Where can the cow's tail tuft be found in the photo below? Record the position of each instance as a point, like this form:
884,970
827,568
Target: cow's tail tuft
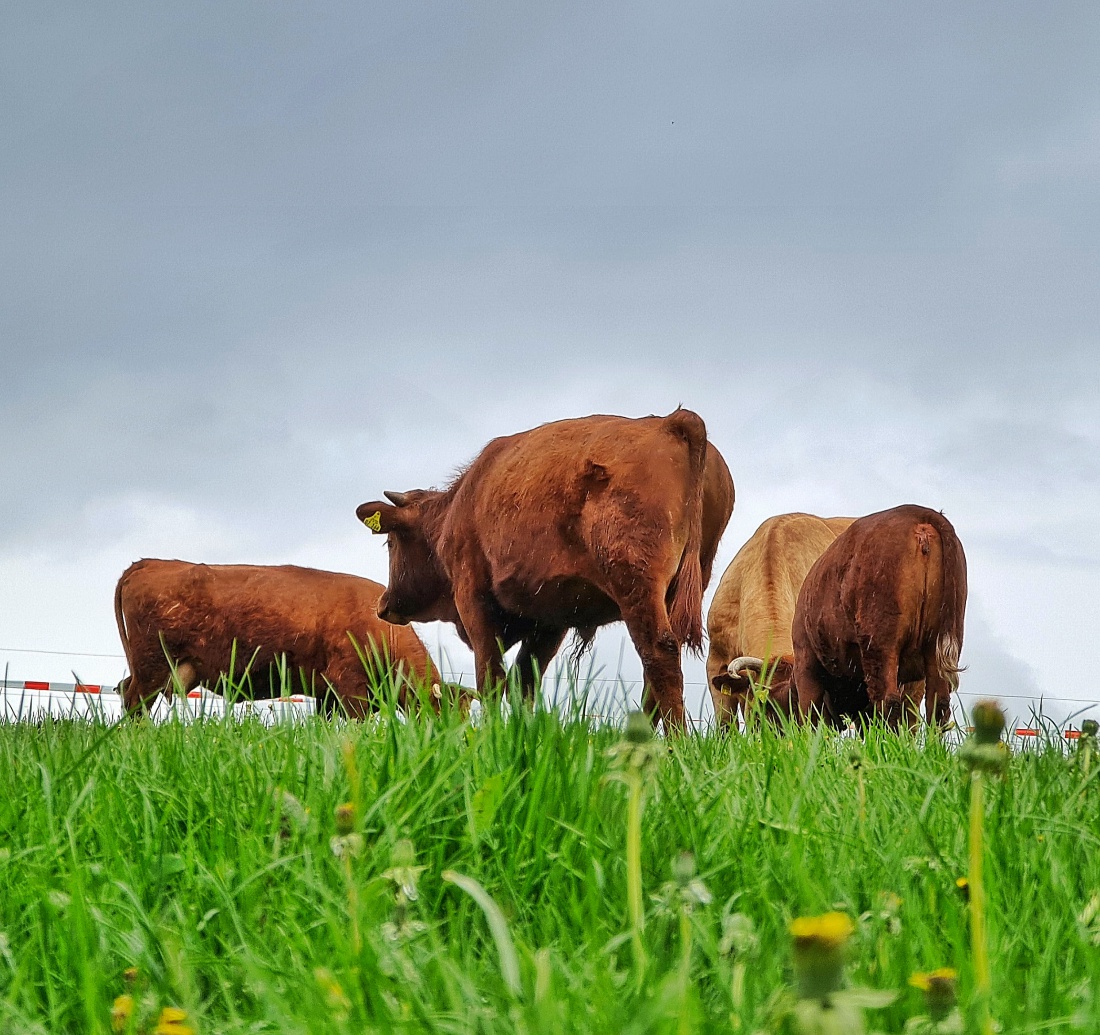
685,612
953,606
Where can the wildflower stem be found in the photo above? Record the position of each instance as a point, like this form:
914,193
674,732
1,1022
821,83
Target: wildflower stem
684,1027
353,904
979,947
862,802
634,872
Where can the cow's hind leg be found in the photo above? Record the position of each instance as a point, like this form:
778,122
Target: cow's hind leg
652,635
811,689
143,685
880,673
937,692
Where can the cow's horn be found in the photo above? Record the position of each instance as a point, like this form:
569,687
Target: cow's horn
752,664
398,499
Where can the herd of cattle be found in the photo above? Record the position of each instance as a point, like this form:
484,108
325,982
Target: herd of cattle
566,528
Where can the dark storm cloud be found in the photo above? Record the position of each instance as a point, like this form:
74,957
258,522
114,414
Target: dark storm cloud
262,261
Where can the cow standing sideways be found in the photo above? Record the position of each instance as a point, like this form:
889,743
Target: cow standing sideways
194,613
749,623
569,526
884,605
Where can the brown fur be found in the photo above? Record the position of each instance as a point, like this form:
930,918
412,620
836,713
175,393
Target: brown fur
884,605
195,612
753,607
572,525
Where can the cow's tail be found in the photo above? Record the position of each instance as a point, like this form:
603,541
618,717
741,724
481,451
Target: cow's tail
952,606
685,611
120,619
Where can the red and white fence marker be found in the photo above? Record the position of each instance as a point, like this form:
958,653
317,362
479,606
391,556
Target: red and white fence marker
31,700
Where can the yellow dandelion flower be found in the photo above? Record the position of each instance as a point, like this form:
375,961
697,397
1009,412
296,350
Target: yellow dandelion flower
121,1011
938,987
926,981
819,953
830,930
173,1021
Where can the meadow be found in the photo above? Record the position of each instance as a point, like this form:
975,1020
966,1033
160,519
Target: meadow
442,876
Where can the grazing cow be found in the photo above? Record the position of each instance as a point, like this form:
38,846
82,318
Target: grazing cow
749,623
572,525
193,614
883,606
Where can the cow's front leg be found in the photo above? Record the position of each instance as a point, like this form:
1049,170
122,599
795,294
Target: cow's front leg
534,655
483,634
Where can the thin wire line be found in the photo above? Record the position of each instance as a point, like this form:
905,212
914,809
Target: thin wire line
597,679
59,653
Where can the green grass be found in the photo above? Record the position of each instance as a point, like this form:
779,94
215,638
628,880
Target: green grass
203,856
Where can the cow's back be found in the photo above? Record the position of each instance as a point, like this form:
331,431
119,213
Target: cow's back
893,582
540,504
754,604
209,614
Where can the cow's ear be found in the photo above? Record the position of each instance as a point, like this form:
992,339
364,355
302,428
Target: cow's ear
724,683
379,517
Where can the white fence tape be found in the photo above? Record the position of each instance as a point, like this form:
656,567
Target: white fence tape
31,701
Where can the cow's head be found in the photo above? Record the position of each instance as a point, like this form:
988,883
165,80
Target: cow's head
774,675
418,589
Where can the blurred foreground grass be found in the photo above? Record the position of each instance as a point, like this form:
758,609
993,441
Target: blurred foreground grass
209,868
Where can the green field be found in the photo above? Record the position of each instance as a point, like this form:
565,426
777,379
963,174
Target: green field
204,857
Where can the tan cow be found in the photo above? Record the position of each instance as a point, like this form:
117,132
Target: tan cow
571,525
199,615
749,623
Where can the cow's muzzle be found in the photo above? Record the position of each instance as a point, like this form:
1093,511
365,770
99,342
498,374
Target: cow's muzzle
388,614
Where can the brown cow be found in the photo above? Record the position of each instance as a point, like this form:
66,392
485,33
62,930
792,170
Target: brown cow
572,525
884,605
193,614
749,623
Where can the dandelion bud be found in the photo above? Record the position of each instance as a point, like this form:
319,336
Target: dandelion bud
855,757
985,751
739,936
639,730
938,987
683,869
819,943
1089,728
403,871
404,853
989,722
345,818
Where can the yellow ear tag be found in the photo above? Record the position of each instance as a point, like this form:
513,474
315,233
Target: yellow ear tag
374,522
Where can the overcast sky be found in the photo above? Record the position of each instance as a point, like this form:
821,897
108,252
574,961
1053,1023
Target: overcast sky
261,261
